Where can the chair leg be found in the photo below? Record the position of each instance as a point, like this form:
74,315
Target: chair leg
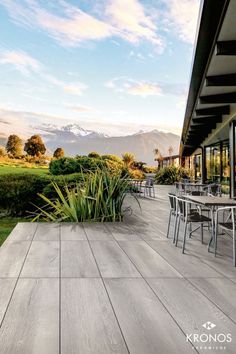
190,230
234,248
201,226
175,227
215,238
168,228
177,232
185,233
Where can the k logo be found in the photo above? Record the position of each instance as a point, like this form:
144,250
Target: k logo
209,325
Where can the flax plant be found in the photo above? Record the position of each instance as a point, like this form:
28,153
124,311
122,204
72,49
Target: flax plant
99,197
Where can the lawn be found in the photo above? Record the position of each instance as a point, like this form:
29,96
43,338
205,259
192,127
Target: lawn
6,226
5,169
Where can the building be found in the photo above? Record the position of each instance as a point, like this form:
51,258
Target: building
173,160
209,129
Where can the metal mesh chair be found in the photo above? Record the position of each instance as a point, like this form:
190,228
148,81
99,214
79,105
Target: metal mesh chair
188,216
228,226
173,212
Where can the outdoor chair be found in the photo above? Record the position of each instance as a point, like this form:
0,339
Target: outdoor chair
214,189
173,212
188,216
148,187
227,226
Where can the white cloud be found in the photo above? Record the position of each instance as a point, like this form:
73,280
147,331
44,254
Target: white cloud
70,26
74,88
182,17
21,61
80,109
145,88
131,21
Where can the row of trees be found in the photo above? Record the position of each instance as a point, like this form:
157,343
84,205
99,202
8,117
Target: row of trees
34,147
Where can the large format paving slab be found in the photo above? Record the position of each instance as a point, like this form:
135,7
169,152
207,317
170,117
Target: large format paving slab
90,288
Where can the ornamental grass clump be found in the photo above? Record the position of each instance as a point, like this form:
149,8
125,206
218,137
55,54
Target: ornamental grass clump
99,197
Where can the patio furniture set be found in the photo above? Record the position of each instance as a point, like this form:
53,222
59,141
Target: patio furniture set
203,205
143,187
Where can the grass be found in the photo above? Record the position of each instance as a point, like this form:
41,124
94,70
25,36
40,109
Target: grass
6,226
5,169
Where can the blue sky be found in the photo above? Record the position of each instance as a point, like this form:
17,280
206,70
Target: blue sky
116,66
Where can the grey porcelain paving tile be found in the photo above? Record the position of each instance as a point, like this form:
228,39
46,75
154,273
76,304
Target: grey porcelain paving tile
191,310
6,289
221,291
186,264
47,231
148,262
145,323
23,231
220,263
145,230
112,261
72,232
97,231
12,256
88,323
77,260
122,231
31,324
42,260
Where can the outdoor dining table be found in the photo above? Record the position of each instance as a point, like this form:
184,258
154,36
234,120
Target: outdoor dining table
212,203
190,185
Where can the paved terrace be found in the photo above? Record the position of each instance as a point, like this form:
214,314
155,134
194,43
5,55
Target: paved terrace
112,288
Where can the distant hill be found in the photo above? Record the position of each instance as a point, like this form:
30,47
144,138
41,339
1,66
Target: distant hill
79,141
76,140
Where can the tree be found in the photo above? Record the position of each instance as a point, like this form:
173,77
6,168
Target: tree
2,151
34,146
14,145
94,154
156,154
139,165
59,152
170,150
128,159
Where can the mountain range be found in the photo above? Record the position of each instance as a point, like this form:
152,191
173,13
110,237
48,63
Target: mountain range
76,140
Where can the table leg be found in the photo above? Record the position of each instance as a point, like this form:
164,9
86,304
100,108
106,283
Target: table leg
212,229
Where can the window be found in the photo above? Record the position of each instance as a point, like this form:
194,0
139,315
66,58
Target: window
217,164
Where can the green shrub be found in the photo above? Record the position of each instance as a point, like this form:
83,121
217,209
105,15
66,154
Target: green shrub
113,163
70,180
19,192
69,165
170,175
99,199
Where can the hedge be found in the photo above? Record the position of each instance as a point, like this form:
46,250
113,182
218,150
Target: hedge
69,165
18,192
170,175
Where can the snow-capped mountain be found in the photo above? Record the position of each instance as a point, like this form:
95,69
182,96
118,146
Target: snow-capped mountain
76,140
71,131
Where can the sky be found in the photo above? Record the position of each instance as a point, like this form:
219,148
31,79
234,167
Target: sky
114,66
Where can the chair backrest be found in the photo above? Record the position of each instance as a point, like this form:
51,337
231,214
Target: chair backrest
214,189
197,193
149,182
172,200
182,207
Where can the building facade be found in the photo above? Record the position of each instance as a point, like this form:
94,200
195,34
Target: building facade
209,131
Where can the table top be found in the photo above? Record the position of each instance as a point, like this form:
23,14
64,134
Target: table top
192,184
212,201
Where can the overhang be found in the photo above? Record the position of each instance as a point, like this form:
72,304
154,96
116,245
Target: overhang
212,91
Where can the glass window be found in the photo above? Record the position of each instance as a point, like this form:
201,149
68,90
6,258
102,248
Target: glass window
217,164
